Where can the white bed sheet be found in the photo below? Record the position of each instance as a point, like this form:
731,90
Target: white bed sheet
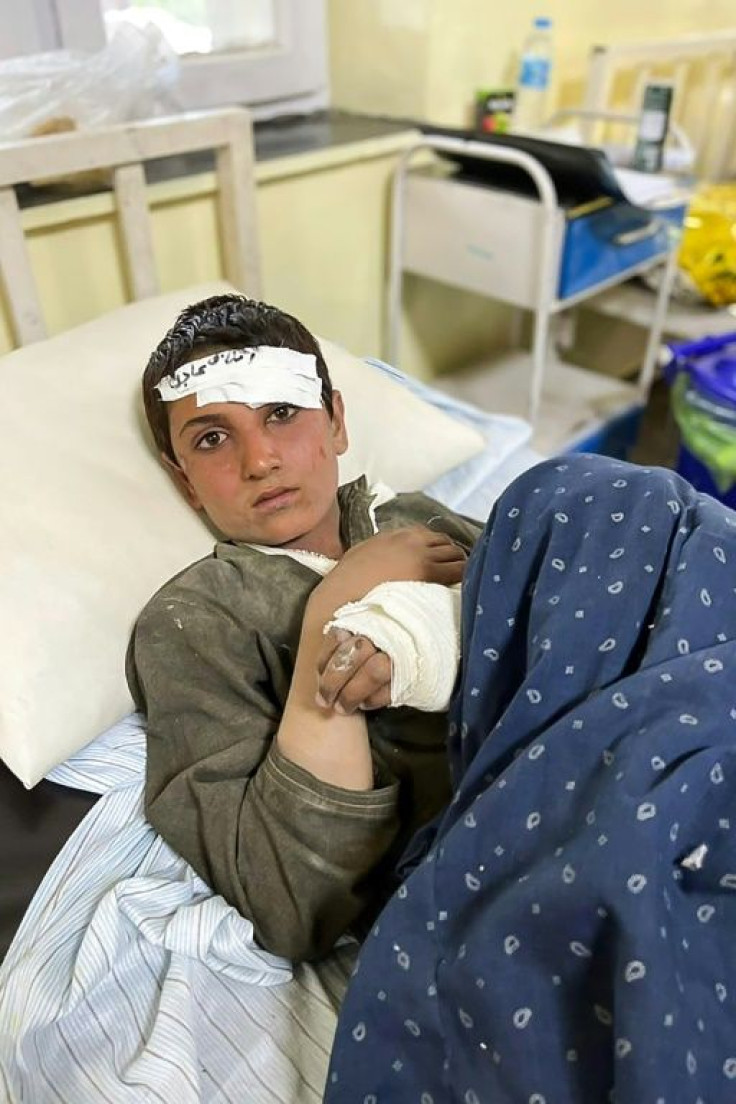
130,981
478,501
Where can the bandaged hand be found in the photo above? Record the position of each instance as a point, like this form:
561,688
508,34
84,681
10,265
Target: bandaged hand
417,626
414,553
352,674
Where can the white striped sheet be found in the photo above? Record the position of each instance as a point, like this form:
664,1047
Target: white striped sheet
278,1046
265,1030
114,759
220,1058
304,1016
129,981
329,979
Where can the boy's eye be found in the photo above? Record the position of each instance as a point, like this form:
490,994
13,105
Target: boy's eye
282,413
211,439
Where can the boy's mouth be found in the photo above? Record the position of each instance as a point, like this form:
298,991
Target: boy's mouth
275,499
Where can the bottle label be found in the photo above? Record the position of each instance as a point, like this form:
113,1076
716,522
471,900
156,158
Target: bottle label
534,72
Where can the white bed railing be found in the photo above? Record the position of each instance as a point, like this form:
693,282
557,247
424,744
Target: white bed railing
702,68
123,150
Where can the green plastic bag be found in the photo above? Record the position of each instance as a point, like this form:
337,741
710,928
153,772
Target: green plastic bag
706,432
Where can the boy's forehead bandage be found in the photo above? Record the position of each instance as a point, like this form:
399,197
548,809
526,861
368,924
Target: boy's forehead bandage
254,376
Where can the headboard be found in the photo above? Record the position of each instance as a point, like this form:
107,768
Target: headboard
703,70
123,150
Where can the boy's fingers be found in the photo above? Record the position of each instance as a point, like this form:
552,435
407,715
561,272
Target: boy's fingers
435,537
332,640
448,574
380,700
443,552
373,677
346,658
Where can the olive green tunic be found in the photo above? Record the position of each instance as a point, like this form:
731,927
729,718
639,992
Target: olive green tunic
210,663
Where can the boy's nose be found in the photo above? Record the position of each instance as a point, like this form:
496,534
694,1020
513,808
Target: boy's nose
257,456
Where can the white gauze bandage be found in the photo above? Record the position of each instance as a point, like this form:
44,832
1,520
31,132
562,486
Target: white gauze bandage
417,625
254,376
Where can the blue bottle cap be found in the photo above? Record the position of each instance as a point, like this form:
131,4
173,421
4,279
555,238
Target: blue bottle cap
543,22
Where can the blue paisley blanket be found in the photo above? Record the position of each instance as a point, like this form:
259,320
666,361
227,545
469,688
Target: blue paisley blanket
566,931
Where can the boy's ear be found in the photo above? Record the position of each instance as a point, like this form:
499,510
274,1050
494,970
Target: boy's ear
181,481
339,429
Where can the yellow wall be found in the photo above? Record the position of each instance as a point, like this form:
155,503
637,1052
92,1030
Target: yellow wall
323,249
425,58
324,218
378,55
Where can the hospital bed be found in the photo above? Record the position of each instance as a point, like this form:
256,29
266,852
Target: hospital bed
125,979
702,69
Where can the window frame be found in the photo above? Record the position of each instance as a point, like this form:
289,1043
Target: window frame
289,76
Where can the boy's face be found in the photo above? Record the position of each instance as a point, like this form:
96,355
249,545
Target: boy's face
266,475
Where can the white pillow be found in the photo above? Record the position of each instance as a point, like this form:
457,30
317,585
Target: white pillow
393,435
91,526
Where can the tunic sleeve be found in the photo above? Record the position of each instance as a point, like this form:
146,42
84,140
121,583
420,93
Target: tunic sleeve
295,855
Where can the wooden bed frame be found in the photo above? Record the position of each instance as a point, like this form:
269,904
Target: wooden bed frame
123,150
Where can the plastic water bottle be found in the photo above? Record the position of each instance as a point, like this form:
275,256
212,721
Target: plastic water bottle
535,71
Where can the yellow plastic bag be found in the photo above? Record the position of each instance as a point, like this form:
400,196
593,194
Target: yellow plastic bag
708,247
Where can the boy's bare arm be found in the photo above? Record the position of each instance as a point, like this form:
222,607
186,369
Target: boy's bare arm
331,746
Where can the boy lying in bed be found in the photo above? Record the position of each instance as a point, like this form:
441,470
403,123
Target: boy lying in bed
294,807
564,929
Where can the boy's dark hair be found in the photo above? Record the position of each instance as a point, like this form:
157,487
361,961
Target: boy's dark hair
222,322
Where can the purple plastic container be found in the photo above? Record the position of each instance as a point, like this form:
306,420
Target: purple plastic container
710,367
